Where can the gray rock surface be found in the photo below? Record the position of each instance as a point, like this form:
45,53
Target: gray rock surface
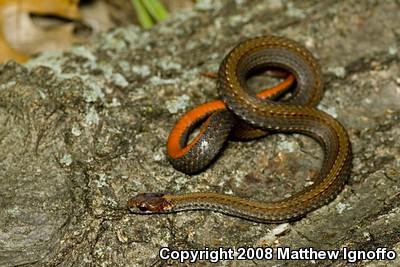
82,131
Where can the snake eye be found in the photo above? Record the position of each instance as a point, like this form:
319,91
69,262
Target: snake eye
143,208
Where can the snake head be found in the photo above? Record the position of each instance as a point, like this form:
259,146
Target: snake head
149,203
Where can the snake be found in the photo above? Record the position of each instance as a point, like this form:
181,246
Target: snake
298,114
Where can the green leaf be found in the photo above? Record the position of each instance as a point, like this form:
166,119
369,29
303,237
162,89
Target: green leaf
144,18
156,9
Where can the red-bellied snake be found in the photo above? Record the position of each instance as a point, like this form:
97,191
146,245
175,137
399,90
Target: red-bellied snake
297,115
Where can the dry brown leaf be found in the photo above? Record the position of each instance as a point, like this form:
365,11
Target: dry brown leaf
17,27
7,52
96,15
